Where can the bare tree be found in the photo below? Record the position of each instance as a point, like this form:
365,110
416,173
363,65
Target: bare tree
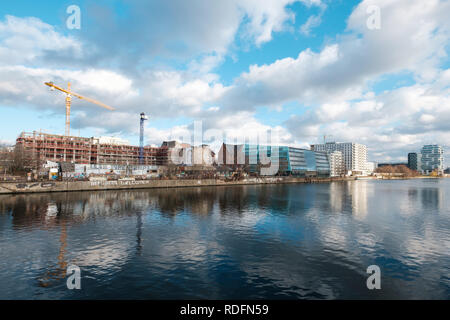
400,169
22,160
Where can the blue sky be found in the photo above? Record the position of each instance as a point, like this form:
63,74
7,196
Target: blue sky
299,69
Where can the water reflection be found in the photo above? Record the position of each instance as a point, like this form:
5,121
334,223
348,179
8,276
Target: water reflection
271,241
54,274
431,198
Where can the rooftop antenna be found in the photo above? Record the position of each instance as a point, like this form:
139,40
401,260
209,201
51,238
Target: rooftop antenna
330,138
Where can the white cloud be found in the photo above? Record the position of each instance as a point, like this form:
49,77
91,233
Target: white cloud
266,17
335,82
312,22
236,128
23,40
411,40
186,29
391,124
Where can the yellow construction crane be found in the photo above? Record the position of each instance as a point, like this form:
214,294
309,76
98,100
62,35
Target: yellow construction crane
69,95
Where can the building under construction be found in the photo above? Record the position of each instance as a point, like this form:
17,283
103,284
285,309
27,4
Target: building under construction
38,146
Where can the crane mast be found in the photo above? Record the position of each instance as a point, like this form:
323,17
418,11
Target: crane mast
69,93
141,138
68,100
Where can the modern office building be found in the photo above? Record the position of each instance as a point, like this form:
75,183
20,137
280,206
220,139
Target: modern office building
415,161
432,158
322,163
280,160
354,154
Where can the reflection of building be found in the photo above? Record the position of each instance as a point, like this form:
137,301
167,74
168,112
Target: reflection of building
358,195
355,154
351,196
431,199
281,160
432,158
103,150
414,161
337,196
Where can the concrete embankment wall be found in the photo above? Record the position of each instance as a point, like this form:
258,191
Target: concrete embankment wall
65,186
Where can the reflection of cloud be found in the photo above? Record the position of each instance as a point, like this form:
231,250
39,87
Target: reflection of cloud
290,279
105,257
334,237
367,241
303,240
430,246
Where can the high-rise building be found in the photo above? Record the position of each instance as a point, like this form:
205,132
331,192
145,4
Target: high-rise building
337,166
354,154
432,158
414,161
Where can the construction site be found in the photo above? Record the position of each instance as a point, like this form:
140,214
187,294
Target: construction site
38,157
40,154
41,147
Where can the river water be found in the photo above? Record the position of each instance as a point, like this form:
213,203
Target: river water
296,241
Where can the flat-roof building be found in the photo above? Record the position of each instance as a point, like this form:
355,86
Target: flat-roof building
354,154
39,147
275,160
415,161
432,158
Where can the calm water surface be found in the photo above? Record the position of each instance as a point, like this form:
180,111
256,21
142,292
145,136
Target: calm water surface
311,241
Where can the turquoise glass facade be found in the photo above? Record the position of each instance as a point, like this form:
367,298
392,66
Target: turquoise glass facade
290,161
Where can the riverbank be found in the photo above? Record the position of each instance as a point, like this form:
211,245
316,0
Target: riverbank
68,186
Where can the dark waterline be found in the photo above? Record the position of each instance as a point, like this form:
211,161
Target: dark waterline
311,241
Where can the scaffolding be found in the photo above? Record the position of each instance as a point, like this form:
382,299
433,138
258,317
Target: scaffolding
39,146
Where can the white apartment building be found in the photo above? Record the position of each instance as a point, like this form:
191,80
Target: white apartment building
337,166
432,158
354,154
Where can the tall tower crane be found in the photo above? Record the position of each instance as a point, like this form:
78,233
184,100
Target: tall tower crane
69,95
141,138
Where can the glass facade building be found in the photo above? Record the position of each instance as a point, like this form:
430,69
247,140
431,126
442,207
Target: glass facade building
281,160
414,161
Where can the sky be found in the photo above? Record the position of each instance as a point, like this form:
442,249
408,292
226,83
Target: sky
300,72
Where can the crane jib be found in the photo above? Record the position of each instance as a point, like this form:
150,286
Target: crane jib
69,94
